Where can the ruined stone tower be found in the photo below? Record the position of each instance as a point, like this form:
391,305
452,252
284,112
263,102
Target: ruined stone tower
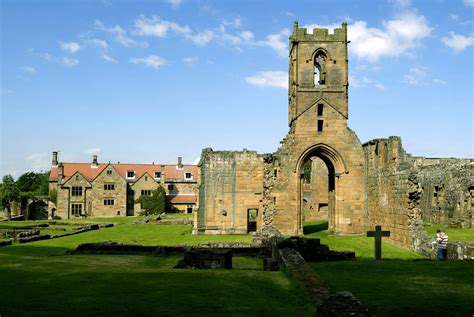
318,113
244,191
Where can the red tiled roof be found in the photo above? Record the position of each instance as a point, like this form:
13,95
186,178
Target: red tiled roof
171,172
181,199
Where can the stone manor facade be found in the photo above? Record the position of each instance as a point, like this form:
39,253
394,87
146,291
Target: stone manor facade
321,169
111,190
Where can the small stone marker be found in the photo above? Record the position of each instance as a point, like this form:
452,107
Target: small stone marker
378,234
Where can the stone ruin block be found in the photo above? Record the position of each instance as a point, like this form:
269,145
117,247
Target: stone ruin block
313,251
206,259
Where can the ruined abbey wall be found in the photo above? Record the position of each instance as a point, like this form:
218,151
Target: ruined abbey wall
230,185
405,193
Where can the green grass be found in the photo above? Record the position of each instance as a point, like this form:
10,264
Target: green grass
455,234
402,287
41,279
405,288
360,244
93,285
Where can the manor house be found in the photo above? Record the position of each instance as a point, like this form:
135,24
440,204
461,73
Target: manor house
321,169
111,190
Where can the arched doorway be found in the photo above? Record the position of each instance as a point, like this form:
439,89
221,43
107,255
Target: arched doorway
319,169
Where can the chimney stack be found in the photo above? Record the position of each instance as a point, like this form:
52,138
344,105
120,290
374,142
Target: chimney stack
54,162
180,162
94,161
60,173
162,178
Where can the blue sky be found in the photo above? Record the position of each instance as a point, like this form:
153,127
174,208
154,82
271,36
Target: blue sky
148,81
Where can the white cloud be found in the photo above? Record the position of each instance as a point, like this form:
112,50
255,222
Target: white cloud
28,69
401,3
190,59
120,35
39,161
235,23
398,36
108,58
196,161
149,61
175,3
276,79
469,3
439,81
458,42
201,38
454,17
69,62
278,42
71,47
415,76
93,151
362,82
155,26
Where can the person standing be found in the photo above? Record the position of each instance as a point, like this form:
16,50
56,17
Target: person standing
442,242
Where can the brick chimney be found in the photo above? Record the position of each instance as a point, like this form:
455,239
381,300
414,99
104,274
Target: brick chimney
94,164
60,173
54,162
162,178
180,162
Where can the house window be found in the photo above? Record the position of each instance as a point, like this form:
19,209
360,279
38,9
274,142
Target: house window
146,192
109,172
188,176
76,209
109,186
131,174
157,175
146,178
171,187
109,202
76,191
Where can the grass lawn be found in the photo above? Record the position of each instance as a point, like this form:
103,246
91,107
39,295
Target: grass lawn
455,234
42,280
399,285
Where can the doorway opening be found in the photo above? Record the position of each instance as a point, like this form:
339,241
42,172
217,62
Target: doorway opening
252,215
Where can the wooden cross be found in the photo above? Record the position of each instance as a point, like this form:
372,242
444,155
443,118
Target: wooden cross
378,234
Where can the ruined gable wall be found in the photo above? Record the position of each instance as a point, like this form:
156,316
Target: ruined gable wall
401,192
230,184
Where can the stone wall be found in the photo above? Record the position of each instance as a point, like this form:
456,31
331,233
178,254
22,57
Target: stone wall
404,193
96,207
230,185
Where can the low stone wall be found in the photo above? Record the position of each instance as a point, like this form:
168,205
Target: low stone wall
34,238
5,243
461,251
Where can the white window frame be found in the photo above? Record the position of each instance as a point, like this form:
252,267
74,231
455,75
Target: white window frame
186,178
157,178
134,175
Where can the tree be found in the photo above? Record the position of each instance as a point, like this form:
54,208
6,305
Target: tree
154,204
53,196
9,193
31,185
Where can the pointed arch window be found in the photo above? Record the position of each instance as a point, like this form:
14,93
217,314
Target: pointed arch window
320,68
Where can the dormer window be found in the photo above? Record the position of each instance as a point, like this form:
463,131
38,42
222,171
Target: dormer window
130,174
157,175
188,176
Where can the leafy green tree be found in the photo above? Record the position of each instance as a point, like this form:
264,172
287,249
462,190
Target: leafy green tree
154,204
31,185
307,171
9,193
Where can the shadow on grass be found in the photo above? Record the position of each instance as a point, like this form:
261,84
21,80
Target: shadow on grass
312,227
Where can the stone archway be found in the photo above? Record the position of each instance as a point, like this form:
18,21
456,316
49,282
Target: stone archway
335,168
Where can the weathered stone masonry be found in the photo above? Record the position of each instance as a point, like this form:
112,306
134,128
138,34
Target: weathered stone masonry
405,193
377,183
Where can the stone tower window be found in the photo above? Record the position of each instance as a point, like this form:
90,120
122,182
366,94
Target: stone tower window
320,125
320,69
320,109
